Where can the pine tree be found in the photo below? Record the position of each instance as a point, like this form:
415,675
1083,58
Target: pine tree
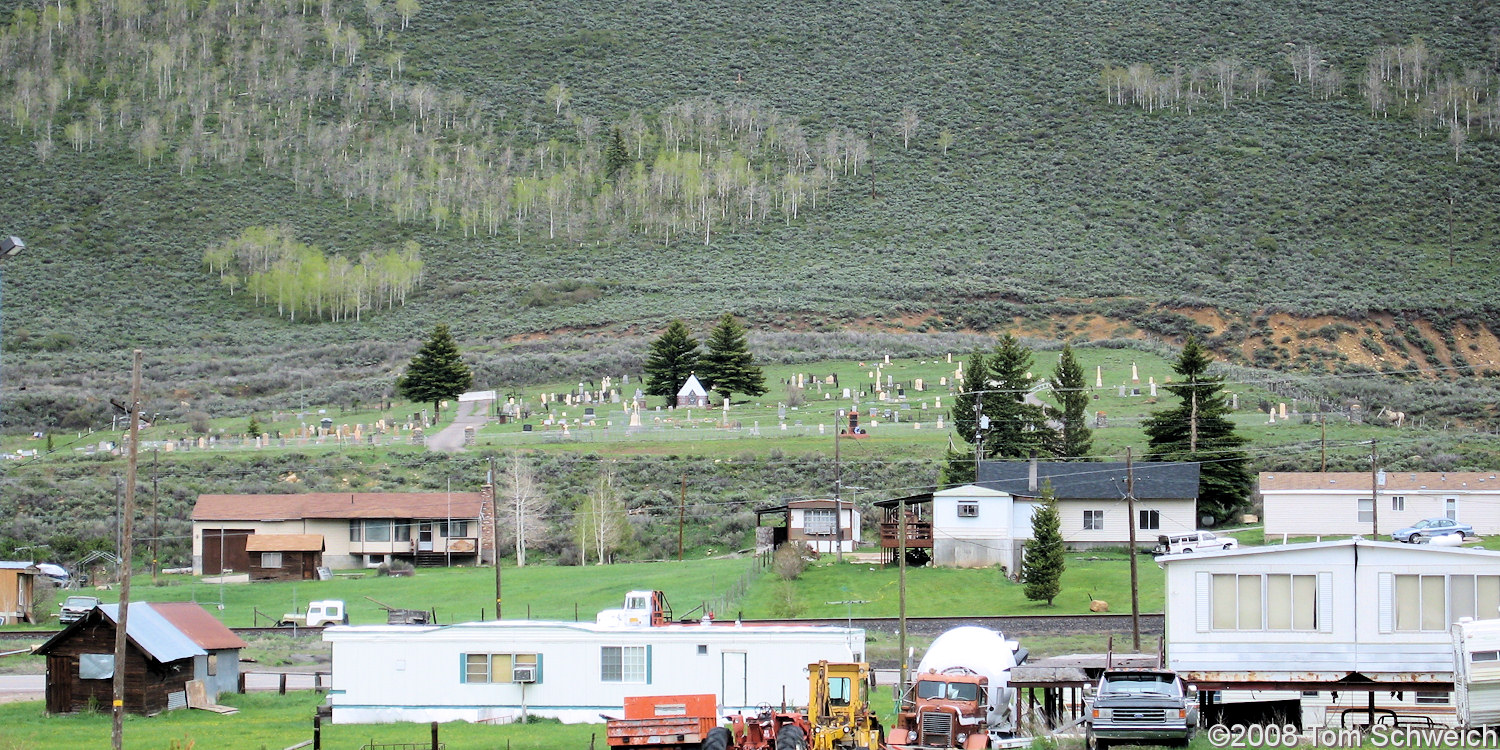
1017,429
1043,564
253,430
1198,429
1073,440
671,360
728,367
616,157
436,372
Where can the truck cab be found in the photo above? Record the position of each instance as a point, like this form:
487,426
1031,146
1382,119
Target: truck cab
944,710
319,613
1141,707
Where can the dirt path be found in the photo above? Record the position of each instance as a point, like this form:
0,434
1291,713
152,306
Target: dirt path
450,439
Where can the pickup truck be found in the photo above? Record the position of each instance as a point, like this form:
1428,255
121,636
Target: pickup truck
75,607
1141,707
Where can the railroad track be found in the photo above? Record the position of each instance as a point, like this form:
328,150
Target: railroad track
1013,626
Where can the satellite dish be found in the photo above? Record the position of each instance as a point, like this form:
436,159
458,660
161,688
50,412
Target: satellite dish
1207,520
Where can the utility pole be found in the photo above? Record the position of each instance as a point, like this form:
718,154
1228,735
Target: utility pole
1323,443
117,732
901,520
838,487
681,515
119,518
1135,585
155,518
495,533
1374,495
978,433
1193,421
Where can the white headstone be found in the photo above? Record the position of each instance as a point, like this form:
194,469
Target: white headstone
1099,376
1135,376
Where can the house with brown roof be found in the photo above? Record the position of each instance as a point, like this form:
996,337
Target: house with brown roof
356,529
1311,503
284,557
168,646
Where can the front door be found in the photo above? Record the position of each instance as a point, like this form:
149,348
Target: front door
733,690
424,537
59,684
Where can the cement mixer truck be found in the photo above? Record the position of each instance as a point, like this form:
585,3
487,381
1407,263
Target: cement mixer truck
960,695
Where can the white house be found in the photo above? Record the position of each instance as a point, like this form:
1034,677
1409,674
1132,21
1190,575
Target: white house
988,523
823,525
571,671
1336,503
692,393
1350,612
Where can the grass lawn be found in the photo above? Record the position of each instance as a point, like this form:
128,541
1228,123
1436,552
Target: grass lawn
267,721
1097,574
458,594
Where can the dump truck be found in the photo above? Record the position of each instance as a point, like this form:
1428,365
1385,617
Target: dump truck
318,614
960,696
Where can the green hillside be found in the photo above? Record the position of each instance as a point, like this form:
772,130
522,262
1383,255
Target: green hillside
1050,203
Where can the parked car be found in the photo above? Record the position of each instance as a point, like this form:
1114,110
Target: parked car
1428,528
1171,544
1141,707
75,607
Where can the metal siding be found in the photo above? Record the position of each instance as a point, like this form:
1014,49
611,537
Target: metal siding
1387,594
1325,602
1203,580
1264,657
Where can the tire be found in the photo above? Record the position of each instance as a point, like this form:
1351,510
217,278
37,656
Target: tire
717,739
1414,539
1096,743
1228,547
790,737
1186,550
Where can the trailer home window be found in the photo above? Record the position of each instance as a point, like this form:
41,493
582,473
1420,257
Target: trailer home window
1398,502
1420,604
1366,510
1265,602
818,522
1093,520
1484,656
968,510
493,668
1431,698
622,664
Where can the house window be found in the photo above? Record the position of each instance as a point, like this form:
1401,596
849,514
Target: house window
378,531
818,522
213,664
1366,510
1421,602
403,531
1431,698
1093,520
96,666
622,664
270,559
968,510
702,649
1150,520
453,529
1398,502
1265,602
354,530
1450,508
498,668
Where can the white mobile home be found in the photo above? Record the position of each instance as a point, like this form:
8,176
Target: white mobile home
1307,503
572,671
1356,611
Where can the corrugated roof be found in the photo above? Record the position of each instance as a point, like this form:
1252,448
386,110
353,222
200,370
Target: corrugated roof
337,505
1092,480
197,624
16,565
148,630
1395,481
284,543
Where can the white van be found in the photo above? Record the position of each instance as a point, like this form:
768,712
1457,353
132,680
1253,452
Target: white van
1197,540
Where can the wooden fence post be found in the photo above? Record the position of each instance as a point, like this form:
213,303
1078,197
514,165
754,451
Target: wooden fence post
317,732
434,735
282,688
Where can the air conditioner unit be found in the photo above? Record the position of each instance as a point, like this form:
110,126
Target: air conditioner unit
523,674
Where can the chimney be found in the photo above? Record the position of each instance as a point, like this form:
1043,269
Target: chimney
487,511
1031,475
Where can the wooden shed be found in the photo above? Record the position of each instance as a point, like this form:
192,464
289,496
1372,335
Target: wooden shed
17,587
159,662
284,557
